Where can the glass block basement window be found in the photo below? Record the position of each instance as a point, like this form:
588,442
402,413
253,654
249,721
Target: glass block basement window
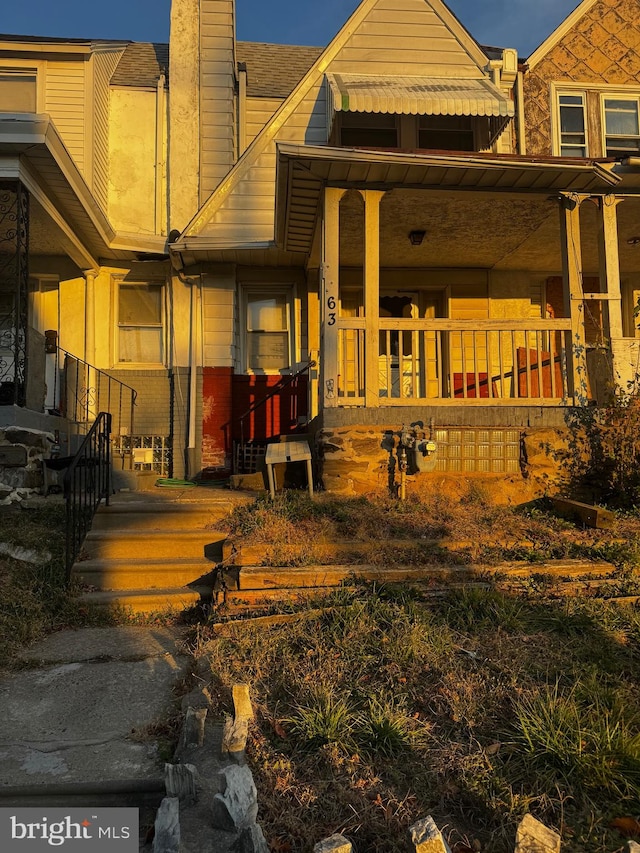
488,451
143,453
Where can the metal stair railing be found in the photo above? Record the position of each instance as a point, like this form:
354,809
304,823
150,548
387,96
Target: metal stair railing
81,391
278,389
87,481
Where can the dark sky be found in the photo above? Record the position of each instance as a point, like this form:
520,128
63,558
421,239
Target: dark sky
522,24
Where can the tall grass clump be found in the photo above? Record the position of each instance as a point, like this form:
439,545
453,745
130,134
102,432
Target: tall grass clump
570,739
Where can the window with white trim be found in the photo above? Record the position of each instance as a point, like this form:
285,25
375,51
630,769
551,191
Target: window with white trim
18,91
268,330
140,323
621,126
573,129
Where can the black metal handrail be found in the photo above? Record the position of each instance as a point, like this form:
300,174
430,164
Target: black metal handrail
278,389
87,481
82,390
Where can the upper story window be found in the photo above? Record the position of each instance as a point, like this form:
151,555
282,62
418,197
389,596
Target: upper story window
268,330
369,130
573,130
140,323
621,126
18,91
446,133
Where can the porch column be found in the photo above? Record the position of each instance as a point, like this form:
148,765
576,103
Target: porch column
90,316
610,262
573,293
313,337
330,294
372,199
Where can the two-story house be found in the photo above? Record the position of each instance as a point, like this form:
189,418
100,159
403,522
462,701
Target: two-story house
402,227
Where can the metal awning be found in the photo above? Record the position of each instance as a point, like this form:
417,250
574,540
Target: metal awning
417,96
303,171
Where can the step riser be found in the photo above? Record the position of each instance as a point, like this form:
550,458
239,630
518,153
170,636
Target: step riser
123,522
148,604
174,545
151,577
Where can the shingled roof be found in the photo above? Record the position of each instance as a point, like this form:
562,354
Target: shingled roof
141,65
274,70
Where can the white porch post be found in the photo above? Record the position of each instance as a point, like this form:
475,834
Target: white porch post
330,294
313,338
610,262
573,293
372,199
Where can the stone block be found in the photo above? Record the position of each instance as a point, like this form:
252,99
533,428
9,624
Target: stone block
167,827
338,485
236,808
534,837
247,482
13,455
250,840
333,844
427,838
28,437
180,782
368,447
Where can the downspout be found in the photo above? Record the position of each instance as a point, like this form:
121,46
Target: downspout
160,165
194,348
522,140
242,108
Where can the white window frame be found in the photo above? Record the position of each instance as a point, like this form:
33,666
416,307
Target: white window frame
267,290
618,96
12,68
557,122
139,365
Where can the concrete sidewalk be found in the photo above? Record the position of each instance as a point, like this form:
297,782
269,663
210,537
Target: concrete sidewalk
76,722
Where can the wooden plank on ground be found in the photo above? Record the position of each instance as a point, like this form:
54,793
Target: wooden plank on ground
588,514
261,577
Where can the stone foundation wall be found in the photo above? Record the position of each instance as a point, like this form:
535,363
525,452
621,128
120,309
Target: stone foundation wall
21,466
510,465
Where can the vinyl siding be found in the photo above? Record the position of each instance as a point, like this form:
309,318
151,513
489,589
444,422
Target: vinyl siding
104,66
66,103
217,95
218,320
405,38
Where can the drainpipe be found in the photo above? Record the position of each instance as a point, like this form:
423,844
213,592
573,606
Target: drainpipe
160,165
195,282
522,140
242,108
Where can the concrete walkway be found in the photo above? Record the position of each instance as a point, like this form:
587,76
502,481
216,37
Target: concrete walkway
77,722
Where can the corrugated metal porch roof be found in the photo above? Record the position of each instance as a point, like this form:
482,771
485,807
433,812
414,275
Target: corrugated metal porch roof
417,96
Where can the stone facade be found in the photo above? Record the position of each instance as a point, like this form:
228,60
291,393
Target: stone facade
360,460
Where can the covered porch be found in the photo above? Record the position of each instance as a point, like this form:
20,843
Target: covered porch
459,281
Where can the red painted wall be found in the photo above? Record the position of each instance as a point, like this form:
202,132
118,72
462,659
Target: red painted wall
227,396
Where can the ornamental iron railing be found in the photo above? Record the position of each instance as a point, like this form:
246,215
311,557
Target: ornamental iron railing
14,280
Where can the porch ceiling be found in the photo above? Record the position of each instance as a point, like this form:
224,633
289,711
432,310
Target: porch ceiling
476,211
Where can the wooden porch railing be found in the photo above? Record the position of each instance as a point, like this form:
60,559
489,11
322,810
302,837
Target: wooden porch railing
483,362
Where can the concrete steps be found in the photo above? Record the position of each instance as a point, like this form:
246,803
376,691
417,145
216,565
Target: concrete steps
154,552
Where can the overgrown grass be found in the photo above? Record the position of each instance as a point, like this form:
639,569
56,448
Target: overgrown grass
34,597
293,526
476,709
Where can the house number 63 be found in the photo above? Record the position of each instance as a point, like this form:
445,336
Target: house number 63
331,304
